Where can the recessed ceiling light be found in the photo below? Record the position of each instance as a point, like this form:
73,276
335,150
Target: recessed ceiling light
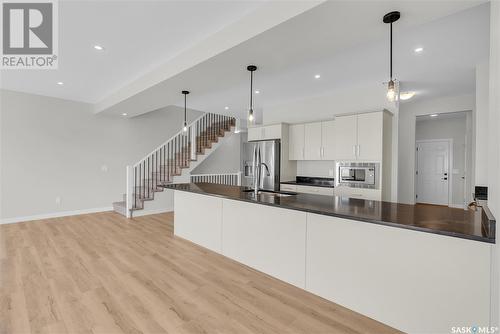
317,76
257,91
226,108
60,83
124,114
98,47
434,115
419,49
406,95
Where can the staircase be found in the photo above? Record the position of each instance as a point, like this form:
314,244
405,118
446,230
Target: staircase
172,161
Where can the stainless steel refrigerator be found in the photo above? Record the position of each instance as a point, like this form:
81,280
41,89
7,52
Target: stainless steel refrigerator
270,164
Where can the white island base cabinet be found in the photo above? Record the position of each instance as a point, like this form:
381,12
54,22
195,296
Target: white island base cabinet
414,281
198,218
266,238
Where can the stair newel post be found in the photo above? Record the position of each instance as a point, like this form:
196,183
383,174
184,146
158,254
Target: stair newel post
129,191
194,145
148,176
169,160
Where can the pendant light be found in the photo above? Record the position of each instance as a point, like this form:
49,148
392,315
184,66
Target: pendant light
251,68
390,18
185,127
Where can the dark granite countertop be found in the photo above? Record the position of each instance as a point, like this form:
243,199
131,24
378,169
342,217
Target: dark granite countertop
467,224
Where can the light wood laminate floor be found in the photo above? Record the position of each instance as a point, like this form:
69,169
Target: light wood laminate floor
102,273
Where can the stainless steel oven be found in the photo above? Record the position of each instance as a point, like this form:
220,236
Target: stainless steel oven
358,174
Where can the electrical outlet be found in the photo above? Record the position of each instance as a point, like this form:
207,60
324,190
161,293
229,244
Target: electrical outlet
104,168
58,200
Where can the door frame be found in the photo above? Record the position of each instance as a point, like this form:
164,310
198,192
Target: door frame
450,167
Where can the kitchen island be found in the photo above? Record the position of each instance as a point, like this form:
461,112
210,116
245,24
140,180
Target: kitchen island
416,268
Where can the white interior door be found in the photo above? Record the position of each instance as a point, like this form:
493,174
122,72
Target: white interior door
433,177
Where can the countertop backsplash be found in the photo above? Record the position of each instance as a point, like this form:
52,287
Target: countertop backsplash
317,168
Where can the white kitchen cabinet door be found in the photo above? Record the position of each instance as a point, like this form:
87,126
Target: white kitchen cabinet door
346,137
328,140
380,277
312,141
268,239
370,136
254,133
296,142
271,132
202,226
288,187
361,193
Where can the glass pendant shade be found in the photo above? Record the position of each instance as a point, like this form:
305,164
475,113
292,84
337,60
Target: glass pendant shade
250,115
391,91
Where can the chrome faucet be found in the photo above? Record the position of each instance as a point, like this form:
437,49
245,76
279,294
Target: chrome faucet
257,170
257,161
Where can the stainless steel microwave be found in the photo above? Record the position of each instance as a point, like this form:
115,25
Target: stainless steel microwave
358,174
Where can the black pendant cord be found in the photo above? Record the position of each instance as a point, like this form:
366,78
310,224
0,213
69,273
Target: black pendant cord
390,65
251,90
185,92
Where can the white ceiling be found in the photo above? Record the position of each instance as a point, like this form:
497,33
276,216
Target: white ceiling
344,41
138,36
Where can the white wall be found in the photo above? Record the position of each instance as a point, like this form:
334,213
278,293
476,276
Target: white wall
57,148
407,118
481,123
226,159
449,128
494,150
316,168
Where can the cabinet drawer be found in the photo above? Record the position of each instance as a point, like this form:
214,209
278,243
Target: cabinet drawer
315,190
288,187
369,194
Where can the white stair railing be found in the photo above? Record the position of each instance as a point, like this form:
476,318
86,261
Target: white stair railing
232,179
167,160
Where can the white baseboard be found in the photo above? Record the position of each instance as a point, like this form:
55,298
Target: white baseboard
53,215
140,213
456,206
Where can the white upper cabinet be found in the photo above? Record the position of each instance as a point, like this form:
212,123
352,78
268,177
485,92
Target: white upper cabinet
264,132
296,142
312,141
359,137
328,140
370,136
346,137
